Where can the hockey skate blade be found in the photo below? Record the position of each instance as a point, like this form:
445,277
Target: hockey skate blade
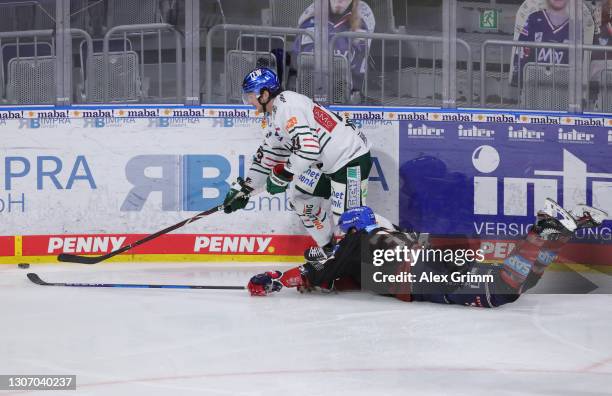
597,215
555,210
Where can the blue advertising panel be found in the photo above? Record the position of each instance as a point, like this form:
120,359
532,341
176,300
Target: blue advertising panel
490,179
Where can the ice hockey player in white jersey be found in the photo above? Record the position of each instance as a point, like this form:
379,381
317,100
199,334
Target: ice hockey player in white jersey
316,152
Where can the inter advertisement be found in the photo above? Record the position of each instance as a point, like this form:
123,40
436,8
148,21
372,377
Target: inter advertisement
486,181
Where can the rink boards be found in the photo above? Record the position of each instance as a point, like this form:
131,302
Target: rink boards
87,180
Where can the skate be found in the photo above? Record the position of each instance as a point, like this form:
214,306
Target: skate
554,222
317,254
588,216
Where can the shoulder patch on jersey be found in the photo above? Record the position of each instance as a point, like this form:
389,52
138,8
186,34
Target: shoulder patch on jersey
291,123
324,119
282,98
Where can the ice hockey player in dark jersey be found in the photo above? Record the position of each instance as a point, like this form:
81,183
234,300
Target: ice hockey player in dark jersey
520,271
550,25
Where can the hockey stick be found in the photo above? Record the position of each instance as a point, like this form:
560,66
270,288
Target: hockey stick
73,258
36,279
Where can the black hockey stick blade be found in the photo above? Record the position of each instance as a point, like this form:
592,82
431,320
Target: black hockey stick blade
34,278
72,258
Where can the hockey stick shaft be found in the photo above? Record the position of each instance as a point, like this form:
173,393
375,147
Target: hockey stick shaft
73,258
34,278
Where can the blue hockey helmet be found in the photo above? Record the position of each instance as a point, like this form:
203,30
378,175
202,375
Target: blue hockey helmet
358,218
259,79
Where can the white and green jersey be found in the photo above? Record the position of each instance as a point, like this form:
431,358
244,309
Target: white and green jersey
302,134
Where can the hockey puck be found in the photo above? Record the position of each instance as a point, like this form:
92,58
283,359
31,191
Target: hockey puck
23,265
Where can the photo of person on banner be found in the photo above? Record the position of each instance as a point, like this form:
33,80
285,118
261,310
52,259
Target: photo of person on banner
545,21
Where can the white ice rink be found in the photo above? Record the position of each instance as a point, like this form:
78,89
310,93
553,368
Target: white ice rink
200,342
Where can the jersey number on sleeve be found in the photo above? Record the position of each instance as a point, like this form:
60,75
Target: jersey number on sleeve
295,144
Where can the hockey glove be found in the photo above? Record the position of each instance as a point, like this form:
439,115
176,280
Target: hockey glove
278,180
233,201
273,281
263,284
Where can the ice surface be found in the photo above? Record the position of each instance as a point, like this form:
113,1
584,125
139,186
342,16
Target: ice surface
199,342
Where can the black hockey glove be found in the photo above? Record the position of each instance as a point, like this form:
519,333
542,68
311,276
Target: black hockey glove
233,201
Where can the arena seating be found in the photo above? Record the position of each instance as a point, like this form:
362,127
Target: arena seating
399,73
